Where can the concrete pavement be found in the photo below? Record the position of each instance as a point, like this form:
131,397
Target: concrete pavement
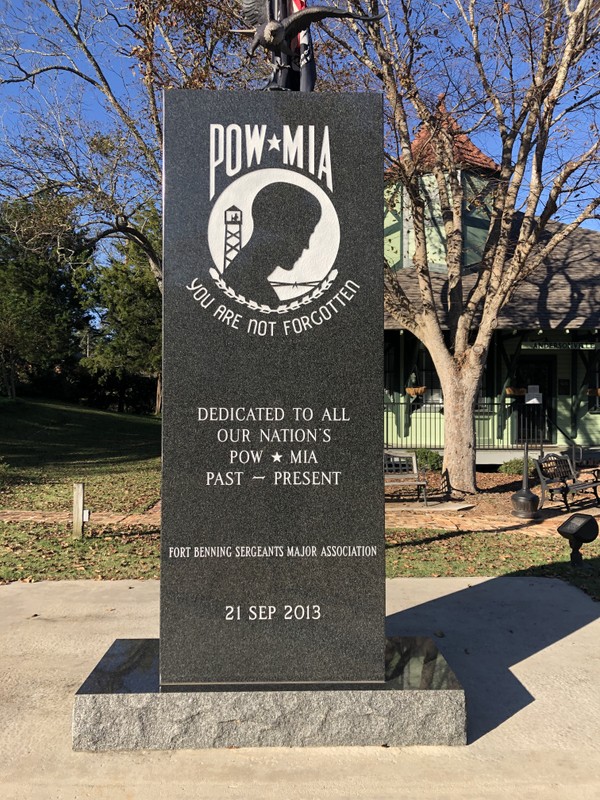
525,649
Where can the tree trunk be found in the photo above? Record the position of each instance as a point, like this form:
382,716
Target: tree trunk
121,396
460,394
3,376
158,401
12,381
8,376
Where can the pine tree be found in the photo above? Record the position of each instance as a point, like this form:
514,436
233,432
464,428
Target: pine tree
129,310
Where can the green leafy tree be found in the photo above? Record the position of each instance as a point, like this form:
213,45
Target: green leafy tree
42,301
87,121
128,344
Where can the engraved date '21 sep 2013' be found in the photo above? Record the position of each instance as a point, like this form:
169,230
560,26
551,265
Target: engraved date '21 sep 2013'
268,612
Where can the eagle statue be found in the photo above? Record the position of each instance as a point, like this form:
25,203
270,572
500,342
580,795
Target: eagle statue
277,36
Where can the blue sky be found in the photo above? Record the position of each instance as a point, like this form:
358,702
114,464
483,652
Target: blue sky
119,70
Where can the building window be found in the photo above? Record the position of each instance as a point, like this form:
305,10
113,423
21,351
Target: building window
425,375
483,396
593,374
391,362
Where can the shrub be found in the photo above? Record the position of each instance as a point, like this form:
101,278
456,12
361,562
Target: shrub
429,460
515,467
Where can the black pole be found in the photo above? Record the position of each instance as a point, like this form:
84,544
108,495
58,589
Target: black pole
525,502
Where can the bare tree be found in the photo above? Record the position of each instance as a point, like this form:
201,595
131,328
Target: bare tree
523,76
81,84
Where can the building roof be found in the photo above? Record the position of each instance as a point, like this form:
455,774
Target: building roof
564,292
466,154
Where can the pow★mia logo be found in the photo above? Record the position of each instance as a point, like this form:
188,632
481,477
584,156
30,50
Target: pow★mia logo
274,233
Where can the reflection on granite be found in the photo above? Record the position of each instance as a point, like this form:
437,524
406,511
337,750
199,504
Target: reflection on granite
121,706
131,666
414,662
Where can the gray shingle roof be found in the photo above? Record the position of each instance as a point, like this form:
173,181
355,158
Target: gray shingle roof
562,293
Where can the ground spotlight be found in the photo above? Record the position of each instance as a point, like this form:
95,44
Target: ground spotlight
579,529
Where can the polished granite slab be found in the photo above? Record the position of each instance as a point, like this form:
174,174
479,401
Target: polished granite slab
120,706
272,529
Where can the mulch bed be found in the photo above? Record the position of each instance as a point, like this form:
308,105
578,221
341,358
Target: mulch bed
495,490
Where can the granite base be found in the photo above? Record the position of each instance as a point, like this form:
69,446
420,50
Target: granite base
121,706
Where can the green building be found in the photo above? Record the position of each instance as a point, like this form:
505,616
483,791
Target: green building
541,382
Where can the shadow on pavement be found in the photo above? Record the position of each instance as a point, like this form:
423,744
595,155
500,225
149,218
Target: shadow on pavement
486,629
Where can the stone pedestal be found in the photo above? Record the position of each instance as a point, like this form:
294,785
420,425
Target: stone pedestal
120,706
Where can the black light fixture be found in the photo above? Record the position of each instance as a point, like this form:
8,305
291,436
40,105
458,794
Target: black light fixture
579,529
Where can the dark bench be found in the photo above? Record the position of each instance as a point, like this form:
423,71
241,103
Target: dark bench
558,476
401,472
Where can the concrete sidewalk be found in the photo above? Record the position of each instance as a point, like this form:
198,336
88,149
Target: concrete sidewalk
525,649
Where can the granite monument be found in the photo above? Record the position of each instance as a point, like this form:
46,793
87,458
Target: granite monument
272,506
272,564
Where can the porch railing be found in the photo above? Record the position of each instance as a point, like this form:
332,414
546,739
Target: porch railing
412,423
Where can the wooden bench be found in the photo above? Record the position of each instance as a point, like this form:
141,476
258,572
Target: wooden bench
401,471
558,476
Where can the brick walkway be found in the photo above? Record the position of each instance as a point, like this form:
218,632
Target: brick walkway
443,516
148,518
399,515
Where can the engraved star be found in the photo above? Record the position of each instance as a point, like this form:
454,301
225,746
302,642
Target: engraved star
276,457
274,142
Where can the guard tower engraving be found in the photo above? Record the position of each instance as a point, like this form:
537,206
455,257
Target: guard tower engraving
233,234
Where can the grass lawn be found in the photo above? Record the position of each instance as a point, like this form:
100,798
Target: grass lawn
419,553
45,447
31,551
34,552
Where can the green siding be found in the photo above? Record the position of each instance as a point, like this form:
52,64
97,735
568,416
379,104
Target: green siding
477,212
392,228
409,423
399,242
